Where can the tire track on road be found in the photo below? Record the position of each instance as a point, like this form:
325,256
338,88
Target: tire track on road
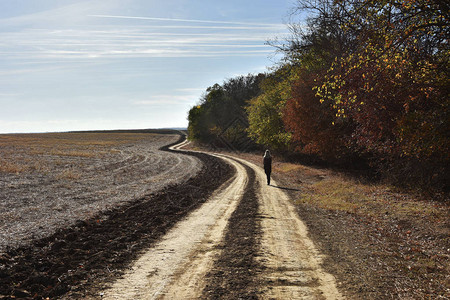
291,262
234,274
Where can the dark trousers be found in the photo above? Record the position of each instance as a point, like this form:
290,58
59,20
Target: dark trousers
268,176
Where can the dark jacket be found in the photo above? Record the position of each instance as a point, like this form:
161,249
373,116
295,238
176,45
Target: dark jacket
267,165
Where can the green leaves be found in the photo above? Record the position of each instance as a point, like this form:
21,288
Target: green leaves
265,112
220,118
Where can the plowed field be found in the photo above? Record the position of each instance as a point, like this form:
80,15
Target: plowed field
49,181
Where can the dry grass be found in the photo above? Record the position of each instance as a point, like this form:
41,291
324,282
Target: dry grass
334,194
397,241
327,190
68,140
11,167
68,174
288,167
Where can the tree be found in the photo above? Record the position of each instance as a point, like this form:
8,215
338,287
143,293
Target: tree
311,50
311,122
265,112
393,83
220,117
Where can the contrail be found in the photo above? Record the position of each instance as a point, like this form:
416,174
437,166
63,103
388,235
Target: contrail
184,20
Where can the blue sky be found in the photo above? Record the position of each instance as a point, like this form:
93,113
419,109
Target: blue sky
108,64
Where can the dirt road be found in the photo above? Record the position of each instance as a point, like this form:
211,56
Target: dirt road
186,263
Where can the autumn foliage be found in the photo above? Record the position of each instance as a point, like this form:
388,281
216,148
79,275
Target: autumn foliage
393,84
309,122
362,79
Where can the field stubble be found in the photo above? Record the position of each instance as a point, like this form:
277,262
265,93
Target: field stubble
49,181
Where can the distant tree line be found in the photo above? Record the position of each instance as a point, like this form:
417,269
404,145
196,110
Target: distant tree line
362,80
220,118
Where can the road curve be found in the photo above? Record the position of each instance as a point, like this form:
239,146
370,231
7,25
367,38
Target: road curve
176,267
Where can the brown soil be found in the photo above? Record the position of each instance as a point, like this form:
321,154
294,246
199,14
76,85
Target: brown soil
49,181
235,272
380,249
175,266
70,262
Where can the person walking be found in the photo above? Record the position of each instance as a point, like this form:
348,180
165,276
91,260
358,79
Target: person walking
267,161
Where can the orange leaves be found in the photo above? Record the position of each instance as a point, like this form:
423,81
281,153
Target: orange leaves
386,89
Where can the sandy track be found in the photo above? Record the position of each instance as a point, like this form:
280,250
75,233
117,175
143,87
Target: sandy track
176,267
292,262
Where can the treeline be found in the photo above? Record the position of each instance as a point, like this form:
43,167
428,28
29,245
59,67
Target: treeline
360,81
220,119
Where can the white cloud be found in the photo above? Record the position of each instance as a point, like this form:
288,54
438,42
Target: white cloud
59,57
62,125
9,95
67,15
125,42
185,20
